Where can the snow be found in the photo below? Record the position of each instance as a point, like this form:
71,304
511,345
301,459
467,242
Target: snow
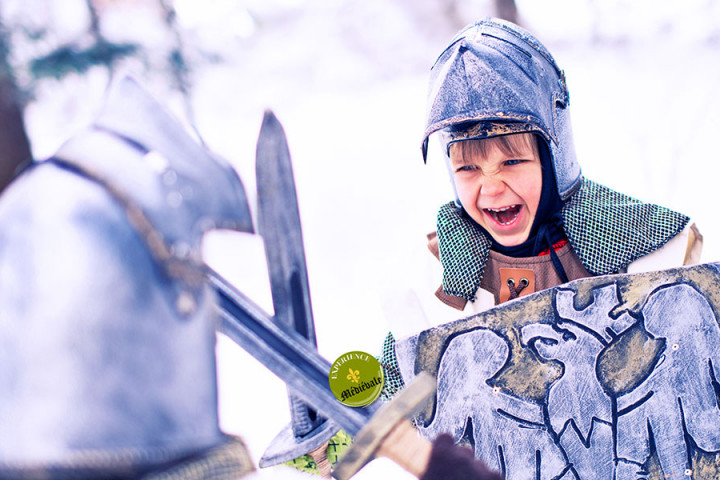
347,80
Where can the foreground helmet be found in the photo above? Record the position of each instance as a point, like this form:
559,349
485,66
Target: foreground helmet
495,79
107,329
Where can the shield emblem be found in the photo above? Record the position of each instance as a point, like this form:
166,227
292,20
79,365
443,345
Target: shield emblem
611,377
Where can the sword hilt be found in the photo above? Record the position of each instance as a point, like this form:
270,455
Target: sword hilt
390,424
303,417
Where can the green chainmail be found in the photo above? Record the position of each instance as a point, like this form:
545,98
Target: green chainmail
393,380
337,446
228,461
608,231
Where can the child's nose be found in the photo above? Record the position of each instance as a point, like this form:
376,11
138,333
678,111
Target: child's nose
492,185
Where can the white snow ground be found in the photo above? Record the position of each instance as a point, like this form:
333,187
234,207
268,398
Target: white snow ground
347,79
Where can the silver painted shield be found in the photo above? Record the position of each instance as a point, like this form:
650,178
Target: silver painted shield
611,377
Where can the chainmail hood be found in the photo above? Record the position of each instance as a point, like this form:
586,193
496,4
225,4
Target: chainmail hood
608,231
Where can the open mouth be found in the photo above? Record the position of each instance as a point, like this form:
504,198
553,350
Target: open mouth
505,215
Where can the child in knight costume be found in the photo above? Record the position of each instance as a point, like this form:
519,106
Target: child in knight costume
524,218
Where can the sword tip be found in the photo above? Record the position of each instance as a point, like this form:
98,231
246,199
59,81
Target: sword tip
270,120
271,140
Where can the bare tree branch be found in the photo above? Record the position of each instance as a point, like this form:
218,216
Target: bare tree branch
14,143
507,10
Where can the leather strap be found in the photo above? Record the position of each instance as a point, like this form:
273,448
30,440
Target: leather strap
516,282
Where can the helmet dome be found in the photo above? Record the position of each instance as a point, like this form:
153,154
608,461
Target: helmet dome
495,78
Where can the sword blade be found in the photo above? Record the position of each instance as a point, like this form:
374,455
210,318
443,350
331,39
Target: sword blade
279,226
289,356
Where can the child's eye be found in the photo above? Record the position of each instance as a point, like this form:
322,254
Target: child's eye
513,162
466,168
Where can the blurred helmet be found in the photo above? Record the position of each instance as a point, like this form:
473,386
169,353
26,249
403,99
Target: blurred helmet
107,327
495,78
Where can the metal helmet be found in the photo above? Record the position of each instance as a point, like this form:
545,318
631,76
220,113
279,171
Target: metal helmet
495,78
107,328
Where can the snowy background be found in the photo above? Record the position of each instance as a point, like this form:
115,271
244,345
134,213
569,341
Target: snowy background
348,81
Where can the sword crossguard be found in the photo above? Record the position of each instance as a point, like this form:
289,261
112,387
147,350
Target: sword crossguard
390,422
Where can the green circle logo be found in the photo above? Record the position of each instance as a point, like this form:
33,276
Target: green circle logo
356,379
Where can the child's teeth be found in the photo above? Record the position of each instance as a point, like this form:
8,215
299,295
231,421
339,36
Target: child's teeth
505,215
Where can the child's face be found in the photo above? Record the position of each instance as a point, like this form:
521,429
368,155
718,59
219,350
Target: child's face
499,190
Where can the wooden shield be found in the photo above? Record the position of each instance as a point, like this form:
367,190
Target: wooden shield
611,377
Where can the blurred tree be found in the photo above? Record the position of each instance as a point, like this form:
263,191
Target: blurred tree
179,68
441,19
90,48
14,144
438,20
15,149
76,57
507,10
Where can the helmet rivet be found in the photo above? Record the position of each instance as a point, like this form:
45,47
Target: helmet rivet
185,303
157,161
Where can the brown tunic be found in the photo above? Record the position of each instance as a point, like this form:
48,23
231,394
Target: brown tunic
538,271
